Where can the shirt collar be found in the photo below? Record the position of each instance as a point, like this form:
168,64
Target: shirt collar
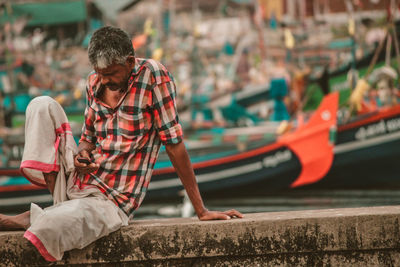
136,68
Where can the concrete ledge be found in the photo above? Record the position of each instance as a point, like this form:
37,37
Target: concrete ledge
356,236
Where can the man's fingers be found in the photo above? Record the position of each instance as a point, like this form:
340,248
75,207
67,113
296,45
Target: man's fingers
233,213
83,168
84,154
94,166
80,164
216,215
222,216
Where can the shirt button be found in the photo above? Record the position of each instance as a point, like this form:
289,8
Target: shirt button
108,136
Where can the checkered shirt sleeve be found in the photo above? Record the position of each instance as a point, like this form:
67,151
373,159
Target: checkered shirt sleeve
165,113
88,129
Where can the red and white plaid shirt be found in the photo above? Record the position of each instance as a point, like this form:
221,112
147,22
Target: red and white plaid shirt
128,137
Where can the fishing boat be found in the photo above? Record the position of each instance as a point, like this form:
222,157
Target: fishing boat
320,153
279,161
366,151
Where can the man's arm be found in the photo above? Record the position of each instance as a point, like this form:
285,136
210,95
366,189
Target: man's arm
180,159
88,138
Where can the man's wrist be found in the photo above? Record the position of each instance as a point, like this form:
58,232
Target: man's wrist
202,212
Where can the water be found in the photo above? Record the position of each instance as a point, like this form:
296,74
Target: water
284,201
287,201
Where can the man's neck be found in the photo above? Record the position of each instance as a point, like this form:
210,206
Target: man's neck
110,97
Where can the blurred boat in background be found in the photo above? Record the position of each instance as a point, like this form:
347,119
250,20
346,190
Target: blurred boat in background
239,158
282,162
360,153
245,76
320,153
324,151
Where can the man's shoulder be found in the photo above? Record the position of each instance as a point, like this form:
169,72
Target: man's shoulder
158,70
151,64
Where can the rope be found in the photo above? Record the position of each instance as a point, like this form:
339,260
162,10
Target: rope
388,50
396,42
375,57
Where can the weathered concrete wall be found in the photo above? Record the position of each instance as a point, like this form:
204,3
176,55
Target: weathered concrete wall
337,237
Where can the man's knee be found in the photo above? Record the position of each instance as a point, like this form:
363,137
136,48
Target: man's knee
41,104
41,101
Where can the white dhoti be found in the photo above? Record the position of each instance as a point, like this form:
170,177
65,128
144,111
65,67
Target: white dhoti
78,216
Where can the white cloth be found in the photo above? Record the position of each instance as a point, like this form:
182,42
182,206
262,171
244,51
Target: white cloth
78,216
73,224
49,145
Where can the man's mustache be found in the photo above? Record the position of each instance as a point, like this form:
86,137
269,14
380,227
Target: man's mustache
111,85
108,85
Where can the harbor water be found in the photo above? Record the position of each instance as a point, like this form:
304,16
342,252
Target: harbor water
248,202
284,201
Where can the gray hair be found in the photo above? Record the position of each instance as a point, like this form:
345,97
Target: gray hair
109,45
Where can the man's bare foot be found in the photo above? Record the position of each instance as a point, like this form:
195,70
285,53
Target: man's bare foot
13,223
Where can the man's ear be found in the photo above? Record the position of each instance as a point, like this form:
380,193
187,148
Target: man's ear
131,61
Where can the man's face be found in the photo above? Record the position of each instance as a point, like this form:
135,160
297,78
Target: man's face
115,77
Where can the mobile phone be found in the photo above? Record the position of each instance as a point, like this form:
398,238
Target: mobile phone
84,160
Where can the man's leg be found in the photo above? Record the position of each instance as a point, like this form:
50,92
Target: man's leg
17,222
22,221
73,224
50,179
40,124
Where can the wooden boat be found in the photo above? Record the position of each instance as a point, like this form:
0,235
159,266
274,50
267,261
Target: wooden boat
362,155
278,161
366,152
248,161
285,162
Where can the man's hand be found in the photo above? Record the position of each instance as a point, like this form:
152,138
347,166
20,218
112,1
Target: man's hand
84,168
180,159
219,215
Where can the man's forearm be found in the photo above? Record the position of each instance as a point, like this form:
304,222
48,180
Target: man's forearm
180,159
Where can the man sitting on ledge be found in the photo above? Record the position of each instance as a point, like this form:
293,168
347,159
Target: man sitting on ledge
98,185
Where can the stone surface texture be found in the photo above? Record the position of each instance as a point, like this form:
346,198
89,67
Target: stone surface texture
332,237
